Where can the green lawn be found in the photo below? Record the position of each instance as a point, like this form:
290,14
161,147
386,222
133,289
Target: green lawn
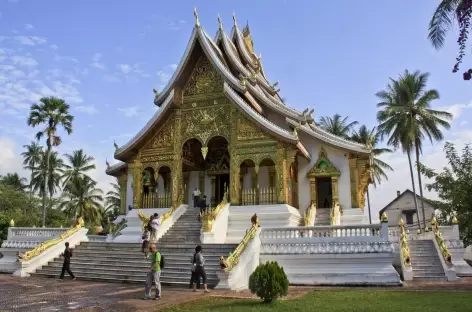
350,300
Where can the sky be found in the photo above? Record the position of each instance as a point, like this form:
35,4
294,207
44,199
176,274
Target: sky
105,57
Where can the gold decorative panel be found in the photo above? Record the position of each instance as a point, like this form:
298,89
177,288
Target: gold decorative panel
247,131
205,123
323,167
204,79
164,139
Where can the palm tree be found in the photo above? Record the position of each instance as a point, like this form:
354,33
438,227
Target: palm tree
442,21
52,112
371,138
337,125
14,181
32,157
79,165
113,199
83,198
408,118
46,179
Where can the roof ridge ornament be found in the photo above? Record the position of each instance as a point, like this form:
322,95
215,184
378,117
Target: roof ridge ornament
116,146
234,19
107,163
195,13
220,22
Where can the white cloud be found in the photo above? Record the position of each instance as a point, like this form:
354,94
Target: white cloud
125,68
29,27
457,109
30,40
111,78
59,58
9,160
87,109
54,46
173,66
24,60
129,111
96,61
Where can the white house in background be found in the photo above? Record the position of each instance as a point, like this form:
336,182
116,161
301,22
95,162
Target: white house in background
403,206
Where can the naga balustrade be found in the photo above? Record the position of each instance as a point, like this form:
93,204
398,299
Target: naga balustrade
209,215
259,196
440,240
30,237
309,216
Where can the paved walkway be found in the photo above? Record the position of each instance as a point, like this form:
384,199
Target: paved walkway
42,294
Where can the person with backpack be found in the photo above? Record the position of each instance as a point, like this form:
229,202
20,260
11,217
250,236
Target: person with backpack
200,269
193,278
154,275
66,265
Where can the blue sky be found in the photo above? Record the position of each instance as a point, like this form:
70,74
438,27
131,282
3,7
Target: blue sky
104,58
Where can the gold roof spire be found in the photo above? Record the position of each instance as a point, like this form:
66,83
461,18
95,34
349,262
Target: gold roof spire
234,19
220,22
197,21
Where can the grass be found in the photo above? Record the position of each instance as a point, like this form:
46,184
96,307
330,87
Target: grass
343,300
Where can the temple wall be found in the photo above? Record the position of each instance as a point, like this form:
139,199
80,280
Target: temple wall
129,191
337,157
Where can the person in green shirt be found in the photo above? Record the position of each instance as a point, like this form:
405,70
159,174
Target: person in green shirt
154,275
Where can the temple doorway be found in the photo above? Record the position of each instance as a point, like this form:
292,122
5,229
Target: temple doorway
324,193
217,167
221,181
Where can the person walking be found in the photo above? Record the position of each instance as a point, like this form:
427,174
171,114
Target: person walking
145,245
196,197
200,269
193,278
154,275
66,265
155,223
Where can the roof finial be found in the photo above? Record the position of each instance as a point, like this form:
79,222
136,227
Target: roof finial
197,21
234,19
220,22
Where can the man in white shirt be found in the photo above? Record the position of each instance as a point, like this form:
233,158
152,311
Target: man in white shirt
196,197
155,223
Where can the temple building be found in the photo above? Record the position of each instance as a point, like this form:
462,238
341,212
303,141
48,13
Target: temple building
221,124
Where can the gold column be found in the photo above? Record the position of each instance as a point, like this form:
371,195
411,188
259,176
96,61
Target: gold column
135,168
177,163
334,187
281,174
185,175
291,159
122,182
235,188
354,178
313,191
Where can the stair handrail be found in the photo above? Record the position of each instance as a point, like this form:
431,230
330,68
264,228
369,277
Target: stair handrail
310,214
145,219
208,216
50,243
335,213
440,240
121,226
404,250
233,258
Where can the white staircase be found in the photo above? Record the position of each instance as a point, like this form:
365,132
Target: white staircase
425,261
323,216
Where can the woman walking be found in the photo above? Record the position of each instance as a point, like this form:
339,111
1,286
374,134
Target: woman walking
199,262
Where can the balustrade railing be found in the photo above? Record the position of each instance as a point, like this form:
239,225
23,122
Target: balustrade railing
310,214
259,196
440,240
153,200
233,258
209,215
404,250
321,232
35,232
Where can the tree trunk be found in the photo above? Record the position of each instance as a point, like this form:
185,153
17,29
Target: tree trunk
414,189
419,183
368,205
45,189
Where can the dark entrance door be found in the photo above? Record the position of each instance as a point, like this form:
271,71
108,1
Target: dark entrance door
220,182
323,193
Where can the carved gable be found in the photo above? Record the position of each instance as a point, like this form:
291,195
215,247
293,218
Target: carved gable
247,130
164,138
323,167
205,123
204,79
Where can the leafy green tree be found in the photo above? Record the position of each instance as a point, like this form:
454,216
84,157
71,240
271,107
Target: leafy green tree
406,116
14,181
51,113
113,199
371,139
441,23
454,188
77,166
19,206
337,125
83,198
31,158
47,173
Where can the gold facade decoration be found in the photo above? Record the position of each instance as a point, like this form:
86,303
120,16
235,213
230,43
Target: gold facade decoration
157,158
247,131
354,180
205,124
177,161
204,151
165,136
122,182
204,79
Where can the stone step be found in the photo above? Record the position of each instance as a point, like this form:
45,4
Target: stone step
131,265
181,257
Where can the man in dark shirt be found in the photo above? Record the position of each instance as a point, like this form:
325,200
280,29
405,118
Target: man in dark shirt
66,266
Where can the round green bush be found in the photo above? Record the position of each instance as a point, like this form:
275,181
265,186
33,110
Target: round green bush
269,282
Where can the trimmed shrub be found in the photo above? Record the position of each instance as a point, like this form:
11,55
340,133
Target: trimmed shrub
269,282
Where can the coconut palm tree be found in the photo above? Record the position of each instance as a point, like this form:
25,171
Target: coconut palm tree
82,198
79,164
371,138
31,158
14,181
407,118
113,199
51,113
47,178
337,125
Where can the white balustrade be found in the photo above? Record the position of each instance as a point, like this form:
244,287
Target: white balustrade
30,237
